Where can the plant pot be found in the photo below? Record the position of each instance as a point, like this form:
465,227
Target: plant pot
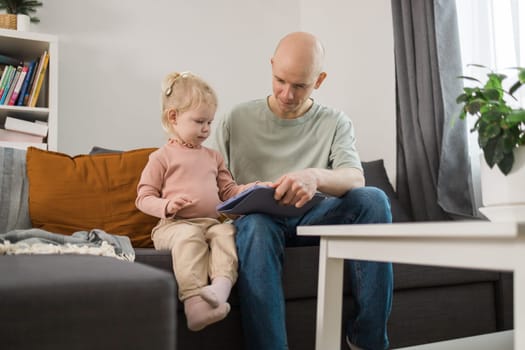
504,196
8,21
22,22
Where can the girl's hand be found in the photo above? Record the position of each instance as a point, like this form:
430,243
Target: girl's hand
176,204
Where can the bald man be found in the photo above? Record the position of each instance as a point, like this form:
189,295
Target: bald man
302,147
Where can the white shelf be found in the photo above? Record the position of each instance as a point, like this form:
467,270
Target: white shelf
29,46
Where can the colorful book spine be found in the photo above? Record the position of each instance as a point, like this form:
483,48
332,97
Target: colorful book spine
12,85
6,75
7,86
18,86
40,79
26,83
31,82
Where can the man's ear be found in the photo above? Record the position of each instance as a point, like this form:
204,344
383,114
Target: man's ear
320,80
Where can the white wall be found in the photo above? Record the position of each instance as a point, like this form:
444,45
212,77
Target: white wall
114,53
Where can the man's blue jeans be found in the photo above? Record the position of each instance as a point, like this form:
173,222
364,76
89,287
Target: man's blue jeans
261,240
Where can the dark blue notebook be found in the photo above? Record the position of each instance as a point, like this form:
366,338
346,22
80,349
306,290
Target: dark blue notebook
259,199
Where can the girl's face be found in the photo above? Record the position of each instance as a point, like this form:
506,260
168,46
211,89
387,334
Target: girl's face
192,126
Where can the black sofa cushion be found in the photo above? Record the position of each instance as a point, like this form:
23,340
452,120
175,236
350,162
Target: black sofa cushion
63,302
375,175
301,268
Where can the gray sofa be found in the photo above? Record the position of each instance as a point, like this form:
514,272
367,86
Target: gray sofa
84,302
429,304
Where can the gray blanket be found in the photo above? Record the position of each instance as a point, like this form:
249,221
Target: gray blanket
94,242
14,213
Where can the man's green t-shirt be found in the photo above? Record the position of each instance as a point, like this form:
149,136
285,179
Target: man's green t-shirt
258,145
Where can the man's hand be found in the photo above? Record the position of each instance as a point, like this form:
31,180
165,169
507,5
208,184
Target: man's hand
176,204
295,188
298,187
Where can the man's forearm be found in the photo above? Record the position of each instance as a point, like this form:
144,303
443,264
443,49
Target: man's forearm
339,181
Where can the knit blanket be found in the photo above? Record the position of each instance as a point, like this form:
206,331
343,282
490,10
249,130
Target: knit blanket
14,185
94,242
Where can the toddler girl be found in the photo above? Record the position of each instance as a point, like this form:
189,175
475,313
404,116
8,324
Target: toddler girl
182,184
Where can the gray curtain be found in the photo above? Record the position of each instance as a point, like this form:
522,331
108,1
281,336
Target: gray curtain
433,173
455,191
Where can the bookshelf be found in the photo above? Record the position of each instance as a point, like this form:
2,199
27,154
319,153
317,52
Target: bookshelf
28,46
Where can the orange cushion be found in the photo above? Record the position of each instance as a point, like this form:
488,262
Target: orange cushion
69,194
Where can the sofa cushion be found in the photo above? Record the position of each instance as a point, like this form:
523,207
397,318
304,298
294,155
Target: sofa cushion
100,150
69,194
81,302
301,268
375,175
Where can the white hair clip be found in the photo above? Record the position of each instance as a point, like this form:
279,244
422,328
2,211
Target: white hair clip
169,90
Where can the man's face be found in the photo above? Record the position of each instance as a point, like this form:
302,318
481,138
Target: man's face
292,86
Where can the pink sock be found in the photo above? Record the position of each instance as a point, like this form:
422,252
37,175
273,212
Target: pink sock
200,314
217,292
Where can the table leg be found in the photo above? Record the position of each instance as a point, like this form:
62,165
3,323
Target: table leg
330,300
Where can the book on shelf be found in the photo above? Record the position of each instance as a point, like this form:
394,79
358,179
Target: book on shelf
14,61
18,86
30,87
39,78
5,71
7,84
259,199
26,83
3,68
22,145
25,101
6,76
21,125
12,85
15,136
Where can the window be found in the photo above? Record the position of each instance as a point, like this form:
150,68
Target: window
492,33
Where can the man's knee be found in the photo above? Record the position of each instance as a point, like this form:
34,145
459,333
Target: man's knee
373,201
369,194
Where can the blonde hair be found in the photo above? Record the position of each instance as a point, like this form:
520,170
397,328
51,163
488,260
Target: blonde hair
184,91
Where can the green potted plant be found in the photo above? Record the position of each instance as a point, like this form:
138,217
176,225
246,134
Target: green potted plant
18,7
500,125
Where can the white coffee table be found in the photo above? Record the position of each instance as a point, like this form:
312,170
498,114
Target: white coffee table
467,244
